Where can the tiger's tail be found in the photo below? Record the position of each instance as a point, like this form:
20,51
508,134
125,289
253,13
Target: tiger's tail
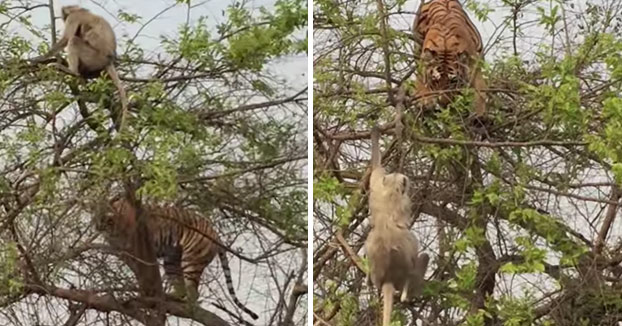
224,262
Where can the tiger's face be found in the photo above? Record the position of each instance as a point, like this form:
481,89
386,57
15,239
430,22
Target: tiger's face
446,59
103,216
115,220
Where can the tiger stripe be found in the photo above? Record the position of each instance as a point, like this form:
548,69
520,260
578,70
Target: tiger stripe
447,13
185,240
449,48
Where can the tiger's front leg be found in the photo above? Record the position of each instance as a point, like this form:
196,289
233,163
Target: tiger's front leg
174,273
479,85
424,96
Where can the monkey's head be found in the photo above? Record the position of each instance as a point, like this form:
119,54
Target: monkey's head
396,183
68,10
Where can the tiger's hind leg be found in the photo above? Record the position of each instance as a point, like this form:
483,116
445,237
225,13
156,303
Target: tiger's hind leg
193,269
191,283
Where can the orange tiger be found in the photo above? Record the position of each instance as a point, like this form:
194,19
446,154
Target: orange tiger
185,240
450,48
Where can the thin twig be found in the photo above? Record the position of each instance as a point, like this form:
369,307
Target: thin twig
356,260
385,48
612,209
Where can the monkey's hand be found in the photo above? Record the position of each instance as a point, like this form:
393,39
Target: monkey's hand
55,49
42,59
404,296
375,148
375,132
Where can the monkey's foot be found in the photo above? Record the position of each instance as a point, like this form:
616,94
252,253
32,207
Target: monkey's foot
404,296
63,68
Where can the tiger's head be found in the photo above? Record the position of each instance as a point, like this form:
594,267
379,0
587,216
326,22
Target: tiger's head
446,57
116,219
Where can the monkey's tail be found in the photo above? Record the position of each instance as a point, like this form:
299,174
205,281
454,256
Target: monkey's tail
224,262
112,72
387,296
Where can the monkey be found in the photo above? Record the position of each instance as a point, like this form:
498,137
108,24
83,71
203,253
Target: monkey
91,47
388,192
392,250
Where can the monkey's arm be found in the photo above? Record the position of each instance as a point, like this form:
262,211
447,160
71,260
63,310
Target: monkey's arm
54,50
375,148
377,172
71,27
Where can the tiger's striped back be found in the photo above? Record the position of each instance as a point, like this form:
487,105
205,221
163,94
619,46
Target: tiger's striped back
450,48
448,14
185,240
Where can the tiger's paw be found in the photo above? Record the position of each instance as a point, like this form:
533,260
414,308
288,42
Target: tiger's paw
480,125
177,291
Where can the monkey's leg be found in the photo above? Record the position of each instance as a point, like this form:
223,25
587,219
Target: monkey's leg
83,59
63,68
74,48
416,287
404,296
387,298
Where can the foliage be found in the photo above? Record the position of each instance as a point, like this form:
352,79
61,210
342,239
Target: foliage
518,213
215,126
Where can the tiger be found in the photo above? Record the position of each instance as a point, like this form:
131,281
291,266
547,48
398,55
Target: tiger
184,239
450,47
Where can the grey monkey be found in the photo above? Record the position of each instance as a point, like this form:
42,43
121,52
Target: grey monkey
393,251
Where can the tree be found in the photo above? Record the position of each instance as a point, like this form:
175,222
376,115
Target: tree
215,126
520,216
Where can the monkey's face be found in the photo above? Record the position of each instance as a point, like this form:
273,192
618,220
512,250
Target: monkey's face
389,197
396,183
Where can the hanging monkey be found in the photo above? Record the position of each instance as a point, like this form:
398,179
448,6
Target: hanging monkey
393,251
